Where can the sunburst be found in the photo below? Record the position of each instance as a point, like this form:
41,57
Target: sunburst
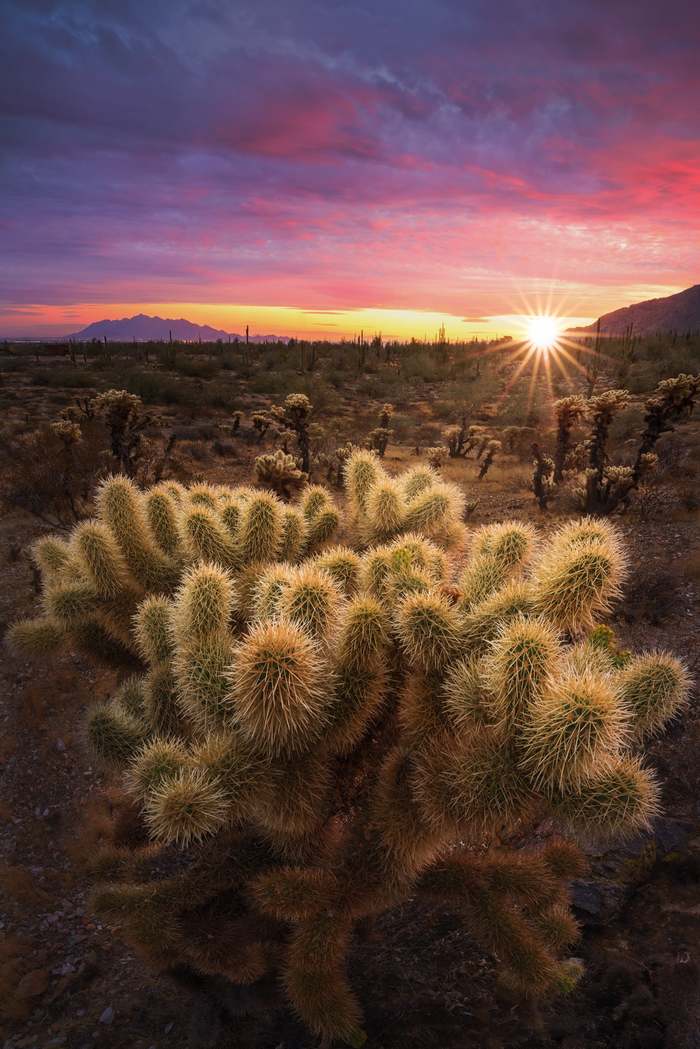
545,348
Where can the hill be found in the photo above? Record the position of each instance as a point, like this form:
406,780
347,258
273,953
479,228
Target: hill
159,329
680,312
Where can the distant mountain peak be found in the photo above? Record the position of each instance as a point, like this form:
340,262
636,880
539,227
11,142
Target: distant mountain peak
678,313
144,328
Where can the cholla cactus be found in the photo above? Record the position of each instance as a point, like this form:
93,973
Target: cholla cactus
459,439
437,455
123,414
378,439
262,422
568,410
294,415
280,472
542,477
304,743
492,448
671,400
68,432
334,462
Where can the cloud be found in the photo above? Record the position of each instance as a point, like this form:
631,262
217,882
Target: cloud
339,156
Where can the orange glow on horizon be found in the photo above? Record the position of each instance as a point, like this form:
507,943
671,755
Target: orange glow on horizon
275,320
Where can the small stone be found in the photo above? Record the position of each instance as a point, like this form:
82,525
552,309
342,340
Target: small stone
33,983
107,1016
60,745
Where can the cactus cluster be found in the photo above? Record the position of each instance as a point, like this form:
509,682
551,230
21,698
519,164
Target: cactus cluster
436,455
602,487
280,472
308,734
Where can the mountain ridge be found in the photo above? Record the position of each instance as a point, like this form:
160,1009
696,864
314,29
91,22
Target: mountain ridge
679,312
144,328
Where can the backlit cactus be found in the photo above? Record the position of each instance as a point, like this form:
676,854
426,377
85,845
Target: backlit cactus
307,734
280,472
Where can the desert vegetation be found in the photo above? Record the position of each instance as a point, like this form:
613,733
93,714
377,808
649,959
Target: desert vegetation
311,733
346,610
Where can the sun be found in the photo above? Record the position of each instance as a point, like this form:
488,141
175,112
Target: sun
542,332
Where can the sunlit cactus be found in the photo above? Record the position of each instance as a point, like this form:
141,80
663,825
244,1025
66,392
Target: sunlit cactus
114,734
206,537
268,590
481,577
161,509
320,529
280,472
292,533
311,600
362,471
429,630
52,556
343,565
619,797
153,629
654,689
466,698
121,507
159,759
203,603
261,529
416,480
573,722
185,806
279,697
304,735
98,555
385,511
233,764
573,586
37,637
315,499
523,655
509,542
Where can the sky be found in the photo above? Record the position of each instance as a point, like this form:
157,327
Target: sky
318,167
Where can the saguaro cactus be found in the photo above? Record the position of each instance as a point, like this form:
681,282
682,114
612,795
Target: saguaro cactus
311,734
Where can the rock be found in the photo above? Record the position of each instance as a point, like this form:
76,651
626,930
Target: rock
107,1016
33,983
671,836
597,902
618,871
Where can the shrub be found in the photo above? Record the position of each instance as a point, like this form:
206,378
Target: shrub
50,472
316,734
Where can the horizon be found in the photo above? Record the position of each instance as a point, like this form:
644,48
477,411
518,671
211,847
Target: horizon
392,325
315,171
